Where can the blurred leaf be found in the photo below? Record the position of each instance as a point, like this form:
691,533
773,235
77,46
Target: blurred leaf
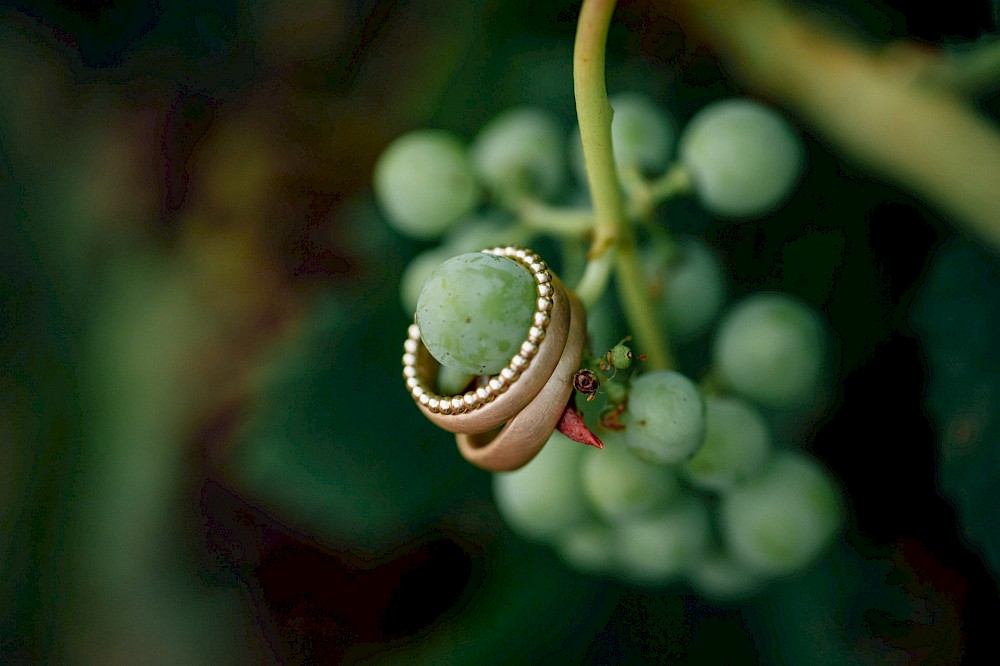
336,445
528,609
957,316
849,610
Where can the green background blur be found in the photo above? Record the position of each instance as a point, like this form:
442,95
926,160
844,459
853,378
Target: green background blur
206,452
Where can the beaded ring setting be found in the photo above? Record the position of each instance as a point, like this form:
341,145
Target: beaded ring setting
506,420
497,384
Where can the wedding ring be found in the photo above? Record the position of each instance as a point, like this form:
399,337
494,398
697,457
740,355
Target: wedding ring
526,433
505,394
504,421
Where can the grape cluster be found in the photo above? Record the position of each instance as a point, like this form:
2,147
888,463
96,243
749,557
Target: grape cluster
694,482
694,488
740,158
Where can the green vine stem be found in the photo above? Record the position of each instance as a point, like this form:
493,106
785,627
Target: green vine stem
644,195
613,245
564,222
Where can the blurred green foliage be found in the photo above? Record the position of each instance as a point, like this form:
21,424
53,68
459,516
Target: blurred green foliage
958,319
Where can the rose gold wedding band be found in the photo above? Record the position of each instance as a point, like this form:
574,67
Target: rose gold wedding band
520,388
526,433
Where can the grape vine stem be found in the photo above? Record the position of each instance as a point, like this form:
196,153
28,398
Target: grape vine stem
613,245
565,222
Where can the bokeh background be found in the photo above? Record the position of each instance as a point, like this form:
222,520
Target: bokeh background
206,451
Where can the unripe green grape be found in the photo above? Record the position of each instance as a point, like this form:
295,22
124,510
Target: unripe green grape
737,444
642,136
744,158
665,418
424,182
657,547
476,232
451,381
688,281
784,518
589,547
416,273
719,577
619,485
770,347
522,151
469,234
474,311
621,356
544,499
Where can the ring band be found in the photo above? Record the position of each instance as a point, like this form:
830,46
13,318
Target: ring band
525,434
507,392
503,424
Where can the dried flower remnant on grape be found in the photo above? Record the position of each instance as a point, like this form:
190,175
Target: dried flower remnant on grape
572,425
586,382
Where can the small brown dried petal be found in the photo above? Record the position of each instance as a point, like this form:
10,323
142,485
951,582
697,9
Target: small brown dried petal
586,382
571,424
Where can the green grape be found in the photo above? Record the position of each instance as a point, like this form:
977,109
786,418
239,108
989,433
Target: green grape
424,182
543,499
660,546
689,284
783,519
737,443
474,311
719,577
770,347
589,547
621,356
642,136
665,418
477,232
416,273
620,485
744,157
521,152
451,381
